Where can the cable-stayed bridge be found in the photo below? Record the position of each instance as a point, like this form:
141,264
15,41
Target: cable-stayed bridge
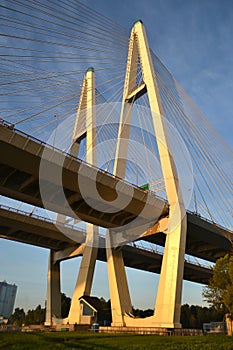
126,149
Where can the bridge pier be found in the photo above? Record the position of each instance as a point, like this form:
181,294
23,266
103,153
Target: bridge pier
168,302
90,249
85,275
118,286
53,300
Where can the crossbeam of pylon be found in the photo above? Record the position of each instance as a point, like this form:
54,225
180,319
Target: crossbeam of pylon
168,302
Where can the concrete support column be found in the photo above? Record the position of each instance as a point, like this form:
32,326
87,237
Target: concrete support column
53,302
118,286
168,302
86,272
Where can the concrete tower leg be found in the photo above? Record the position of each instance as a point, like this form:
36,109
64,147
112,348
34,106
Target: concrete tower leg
168,302
118,286
53,302
85,275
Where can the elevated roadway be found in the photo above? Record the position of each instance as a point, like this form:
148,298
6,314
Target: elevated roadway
20,226
19,179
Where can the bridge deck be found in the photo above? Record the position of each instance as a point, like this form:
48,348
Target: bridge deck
22,227
205,240
19,179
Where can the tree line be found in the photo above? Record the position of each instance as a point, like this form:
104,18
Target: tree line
219,295
37,316
191,316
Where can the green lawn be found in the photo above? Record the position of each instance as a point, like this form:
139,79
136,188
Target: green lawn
75,340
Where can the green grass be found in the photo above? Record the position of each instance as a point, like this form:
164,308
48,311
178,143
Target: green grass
75,340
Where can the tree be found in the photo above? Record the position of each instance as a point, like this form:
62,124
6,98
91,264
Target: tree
36,316
65,305
18,317
104,314
143,313
194,316
219,292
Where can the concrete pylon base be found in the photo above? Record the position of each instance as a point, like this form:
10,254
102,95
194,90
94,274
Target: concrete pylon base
152,321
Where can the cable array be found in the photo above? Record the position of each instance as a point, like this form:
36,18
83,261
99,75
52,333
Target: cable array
46,47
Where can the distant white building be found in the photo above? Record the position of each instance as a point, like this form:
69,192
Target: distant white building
7,298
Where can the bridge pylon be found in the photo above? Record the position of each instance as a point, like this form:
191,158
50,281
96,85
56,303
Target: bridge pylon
86,110
86,271
168,302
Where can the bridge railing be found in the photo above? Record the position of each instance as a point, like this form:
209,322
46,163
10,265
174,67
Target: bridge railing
212,222
188,259
42,218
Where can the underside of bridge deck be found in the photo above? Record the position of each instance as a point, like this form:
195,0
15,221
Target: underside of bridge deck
21,227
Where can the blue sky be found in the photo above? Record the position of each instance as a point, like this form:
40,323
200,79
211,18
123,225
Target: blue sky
193,39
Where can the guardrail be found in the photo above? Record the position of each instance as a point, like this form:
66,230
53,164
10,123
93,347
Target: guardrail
156,251
42,218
